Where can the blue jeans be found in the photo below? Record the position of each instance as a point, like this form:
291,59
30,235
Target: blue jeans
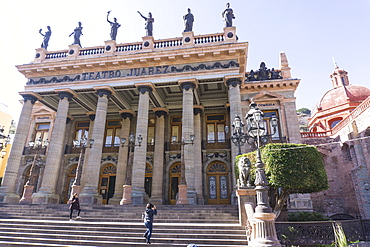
148,233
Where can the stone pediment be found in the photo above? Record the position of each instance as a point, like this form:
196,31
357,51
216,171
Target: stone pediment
267,96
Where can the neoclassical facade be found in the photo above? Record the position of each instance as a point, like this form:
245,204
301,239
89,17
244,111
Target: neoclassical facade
161,90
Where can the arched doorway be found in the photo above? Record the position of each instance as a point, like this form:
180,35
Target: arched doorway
107,182
148,179
175,174
71,175
218,183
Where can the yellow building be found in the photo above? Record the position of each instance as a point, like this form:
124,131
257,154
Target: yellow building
163,91
5,127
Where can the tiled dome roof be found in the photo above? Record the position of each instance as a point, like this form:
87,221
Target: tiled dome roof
344,94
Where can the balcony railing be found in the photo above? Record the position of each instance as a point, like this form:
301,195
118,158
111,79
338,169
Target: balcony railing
111,48
31,150
214,144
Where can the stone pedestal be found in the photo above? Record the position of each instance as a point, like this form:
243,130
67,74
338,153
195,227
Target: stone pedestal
40,55
110,46
182,195
245,195
264,231
126,197
148,43
138,196
230,34
27,195
188,39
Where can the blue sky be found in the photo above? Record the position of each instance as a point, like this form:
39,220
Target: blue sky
310,32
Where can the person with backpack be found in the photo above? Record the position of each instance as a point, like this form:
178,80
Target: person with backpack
74,204
150,211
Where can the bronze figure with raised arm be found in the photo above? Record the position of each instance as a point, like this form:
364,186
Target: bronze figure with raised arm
114,27
148,24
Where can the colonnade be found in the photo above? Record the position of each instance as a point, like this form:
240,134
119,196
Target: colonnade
191,125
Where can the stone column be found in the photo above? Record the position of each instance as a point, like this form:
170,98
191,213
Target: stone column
235,109
90,194
47,192
8,193
188,87
198,164
138,194
127,116
91,116
157,180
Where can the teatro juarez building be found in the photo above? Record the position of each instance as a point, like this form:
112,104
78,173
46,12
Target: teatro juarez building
162,91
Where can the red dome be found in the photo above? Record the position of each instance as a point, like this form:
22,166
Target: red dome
344,94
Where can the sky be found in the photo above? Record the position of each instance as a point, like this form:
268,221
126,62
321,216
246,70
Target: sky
311,33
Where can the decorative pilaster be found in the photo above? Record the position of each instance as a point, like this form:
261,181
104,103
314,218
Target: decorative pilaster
198,165
233,84
127,116
157,185
138,194
8,187
188,87
90,193
47,193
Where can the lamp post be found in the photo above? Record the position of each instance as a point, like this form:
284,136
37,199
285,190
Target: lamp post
38,146
263,230
182,197
83,143
127,187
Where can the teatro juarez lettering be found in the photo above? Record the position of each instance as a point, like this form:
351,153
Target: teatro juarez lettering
134,72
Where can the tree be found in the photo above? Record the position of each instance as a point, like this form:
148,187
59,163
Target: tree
292,168
304,111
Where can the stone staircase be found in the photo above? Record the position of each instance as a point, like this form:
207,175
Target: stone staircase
113,225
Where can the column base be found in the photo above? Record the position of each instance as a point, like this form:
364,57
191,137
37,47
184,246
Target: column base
90,198
264,231
192,195
10,198
138,196
45,198
27,195
156,199
126,196
182,195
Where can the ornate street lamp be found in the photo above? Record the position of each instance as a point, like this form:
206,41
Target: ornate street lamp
38,145
127,187
182,197
83,143
263,230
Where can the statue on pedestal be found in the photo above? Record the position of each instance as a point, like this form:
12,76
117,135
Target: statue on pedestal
77,34
244,166
228,16
148,24
46,39
114,27
188,19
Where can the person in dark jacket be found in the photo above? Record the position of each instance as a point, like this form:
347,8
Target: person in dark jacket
74,204
150,211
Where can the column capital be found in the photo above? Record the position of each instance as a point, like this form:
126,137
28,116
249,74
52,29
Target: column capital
104,90
68,91
159,112
198,109
188,83
127,114
145,87
30,96
63,95
233,81
91,115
